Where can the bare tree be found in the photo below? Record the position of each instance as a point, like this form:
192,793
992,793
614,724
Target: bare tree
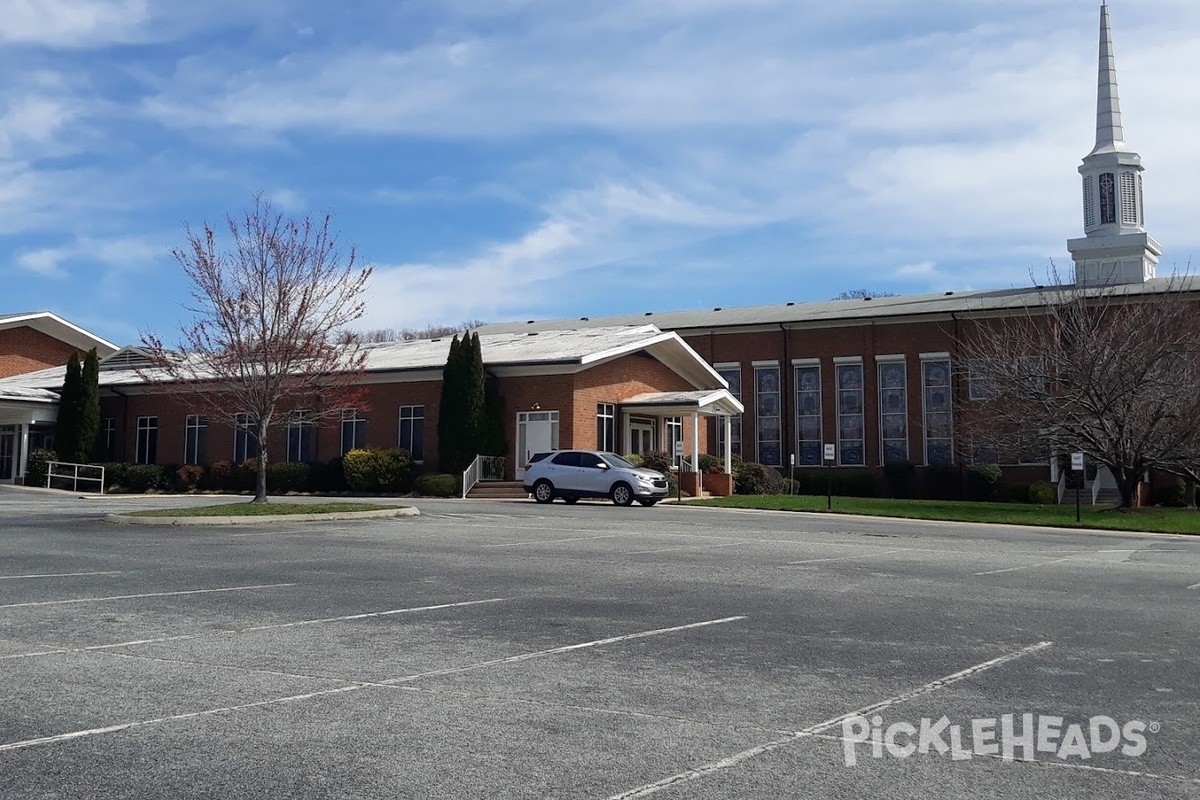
1102,371
267,312
862,294
431,331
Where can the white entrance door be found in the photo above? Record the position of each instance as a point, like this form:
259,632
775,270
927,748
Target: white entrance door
8,454
641,436
537,432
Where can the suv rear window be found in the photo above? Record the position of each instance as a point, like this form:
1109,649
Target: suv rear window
568,459
536,457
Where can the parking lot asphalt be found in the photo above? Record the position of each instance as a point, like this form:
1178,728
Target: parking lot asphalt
510,650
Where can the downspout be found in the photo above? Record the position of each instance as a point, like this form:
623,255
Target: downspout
785,402
955,405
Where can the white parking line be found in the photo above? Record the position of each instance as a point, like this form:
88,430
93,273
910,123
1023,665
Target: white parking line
54,575
151,594
1194,586
558,650
561,541
852,558
684,547
354,687
232,631
821,727
1027,566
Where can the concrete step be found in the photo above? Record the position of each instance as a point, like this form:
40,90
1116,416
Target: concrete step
497,490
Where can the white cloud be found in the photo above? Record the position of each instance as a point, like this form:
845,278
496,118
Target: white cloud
72,23
120,254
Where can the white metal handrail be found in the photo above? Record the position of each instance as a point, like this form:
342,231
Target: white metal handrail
75,477
471,476
483,468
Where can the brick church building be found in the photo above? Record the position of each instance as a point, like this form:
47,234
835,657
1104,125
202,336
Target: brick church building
880,378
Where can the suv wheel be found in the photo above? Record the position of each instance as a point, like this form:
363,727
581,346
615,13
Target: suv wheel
622,494
543,491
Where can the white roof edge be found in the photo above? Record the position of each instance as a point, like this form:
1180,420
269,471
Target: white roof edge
37,315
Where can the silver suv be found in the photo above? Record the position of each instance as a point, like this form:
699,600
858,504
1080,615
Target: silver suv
572,474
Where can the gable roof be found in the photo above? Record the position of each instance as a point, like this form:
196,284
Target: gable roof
55,326
523,353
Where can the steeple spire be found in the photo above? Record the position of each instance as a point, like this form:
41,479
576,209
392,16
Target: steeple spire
1110,134
1116,248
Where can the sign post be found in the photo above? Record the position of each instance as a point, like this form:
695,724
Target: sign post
830,457
679,471
791,472
1077,468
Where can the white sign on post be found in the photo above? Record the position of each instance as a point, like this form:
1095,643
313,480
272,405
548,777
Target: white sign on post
830,452
1077,462
679,448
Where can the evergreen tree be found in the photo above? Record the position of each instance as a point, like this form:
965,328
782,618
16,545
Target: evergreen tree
66,433
449,409
89,408
473,400
461,410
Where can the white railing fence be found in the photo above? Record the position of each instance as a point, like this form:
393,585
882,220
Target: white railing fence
73,475
483,468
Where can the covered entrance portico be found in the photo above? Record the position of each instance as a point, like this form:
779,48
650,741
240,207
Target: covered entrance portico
660,416
25,417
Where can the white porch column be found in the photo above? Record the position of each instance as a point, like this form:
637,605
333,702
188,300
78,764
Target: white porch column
23,464
696,441
728,444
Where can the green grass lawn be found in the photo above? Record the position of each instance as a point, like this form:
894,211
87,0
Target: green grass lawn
1160,520
262,509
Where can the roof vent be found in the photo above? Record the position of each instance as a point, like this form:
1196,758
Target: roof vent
529,322
791,304
868,298
718,308
949,293
435,340
583,319
532,333
649,313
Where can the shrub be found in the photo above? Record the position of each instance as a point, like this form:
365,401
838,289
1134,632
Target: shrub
942,482
634,458
377,470
188,477
1175,495
169,480
899,478
223,476
658,461
35,470
710,463
1017,492
247,475
143,477
114,473
1043,493
858,484
982,480
327,476
750,477
436,484
287,476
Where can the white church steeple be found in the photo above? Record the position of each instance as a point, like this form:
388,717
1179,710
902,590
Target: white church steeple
1117,248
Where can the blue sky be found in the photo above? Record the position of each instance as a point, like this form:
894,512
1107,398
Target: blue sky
542,158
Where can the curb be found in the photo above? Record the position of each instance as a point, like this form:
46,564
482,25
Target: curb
1014,526
386,513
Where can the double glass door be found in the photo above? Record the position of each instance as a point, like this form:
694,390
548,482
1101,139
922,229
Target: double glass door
8,453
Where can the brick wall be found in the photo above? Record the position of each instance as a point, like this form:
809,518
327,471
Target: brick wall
27,350
867,341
